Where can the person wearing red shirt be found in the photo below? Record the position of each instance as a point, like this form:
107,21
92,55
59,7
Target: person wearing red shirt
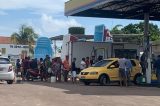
87,62
66,68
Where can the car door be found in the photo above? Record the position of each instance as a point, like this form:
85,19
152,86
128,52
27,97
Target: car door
4,65
113,71
135,68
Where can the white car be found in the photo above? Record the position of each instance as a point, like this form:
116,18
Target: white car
6,70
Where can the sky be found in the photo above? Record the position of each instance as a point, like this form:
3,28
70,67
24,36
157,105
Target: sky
47,18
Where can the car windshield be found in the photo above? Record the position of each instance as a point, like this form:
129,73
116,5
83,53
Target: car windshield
102,63
4,61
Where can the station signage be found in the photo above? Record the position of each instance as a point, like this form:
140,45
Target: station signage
19,46
75,4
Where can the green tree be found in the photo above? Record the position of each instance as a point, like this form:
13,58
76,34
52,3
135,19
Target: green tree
154,31
131,29
116,29
25,36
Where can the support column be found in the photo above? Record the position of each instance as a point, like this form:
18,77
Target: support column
147,47
55,48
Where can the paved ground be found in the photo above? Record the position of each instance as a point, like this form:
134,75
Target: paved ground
62,94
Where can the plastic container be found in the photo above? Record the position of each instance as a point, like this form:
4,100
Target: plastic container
53,79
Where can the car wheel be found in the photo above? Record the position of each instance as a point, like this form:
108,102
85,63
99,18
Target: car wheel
137,79
103,80
86,83
10,82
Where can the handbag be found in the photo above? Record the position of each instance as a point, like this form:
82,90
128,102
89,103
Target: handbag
49,70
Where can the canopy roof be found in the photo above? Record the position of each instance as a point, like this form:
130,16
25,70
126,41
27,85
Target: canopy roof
122,9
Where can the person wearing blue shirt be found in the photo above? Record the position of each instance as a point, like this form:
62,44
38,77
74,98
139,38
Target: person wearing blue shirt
157,68
18,66
128,70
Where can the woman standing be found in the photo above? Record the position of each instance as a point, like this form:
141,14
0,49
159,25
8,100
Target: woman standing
58,67
47,64
83,64
41,69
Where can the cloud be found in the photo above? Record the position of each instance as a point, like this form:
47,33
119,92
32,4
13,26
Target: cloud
7,30
46,16
51,25
35,5
3,13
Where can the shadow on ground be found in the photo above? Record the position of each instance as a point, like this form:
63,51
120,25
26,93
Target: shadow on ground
112,90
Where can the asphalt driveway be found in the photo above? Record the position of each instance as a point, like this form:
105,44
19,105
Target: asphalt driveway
67,94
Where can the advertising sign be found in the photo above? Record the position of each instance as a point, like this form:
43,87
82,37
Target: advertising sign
102,34
99,33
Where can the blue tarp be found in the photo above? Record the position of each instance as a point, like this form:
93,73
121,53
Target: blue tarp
43,48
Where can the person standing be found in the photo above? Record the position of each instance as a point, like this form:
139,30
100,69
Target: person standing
58,66
34,64
137,58
153,60
122,66
74,71
157,68
66,68
92,61
26,66
87,62
47,64
18,66
54,61
128,71
100,58
41,68
83,64
143,64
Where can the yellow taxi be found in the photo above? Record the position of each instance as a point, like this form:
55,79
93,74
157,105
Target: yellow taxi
106,71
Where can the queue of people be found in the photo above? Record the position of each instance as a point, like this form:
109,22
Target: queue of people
47,67
56,67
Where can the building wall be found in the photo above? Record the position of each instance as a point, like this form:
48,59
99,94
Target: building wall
14,51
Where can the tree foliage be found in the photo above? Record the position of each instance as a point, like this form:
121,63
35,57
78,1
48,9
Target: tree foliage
25,36
154,31
117,29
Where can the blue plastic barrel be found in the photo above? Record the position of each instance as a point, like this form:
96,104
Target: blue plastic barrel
43,48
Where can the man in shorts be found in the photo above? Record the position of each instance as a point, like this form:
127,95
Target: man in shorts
66,68
128,71
74,71
122,66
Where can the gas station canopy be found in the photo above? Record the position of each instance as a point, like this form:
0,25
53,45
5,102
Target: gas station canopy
121,9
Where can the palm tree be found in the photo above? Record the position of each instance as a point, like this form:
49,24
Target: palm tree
25,36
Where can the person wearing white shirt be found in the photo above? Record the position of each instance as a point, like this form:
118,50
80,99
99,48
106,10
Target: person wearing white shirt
122,66
83,64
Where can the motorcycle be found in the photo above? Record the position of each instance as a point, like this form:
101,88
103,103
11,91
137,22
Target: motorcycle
35,74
